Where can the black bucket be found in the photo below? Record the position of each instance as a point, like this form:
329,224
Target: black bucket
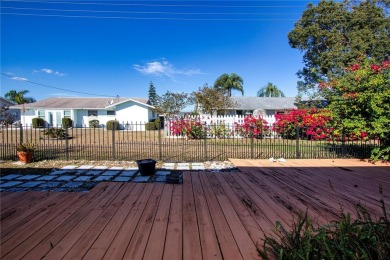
146,166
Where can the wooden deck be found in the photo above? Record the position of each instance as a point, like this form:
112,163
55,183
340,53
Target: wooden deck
209,216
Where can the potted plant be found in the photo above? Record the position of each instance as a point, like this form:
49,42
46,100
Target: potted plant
25,152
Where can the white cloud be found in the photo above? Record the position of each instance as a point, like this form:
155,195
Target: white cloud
19,78
50,71
163,68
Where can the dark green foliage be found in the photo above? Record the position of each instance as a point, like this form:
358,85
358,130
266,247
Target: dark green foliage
171,103
38,122
154,124
59,133
363,238
228,82
332,34
212,100
150,126
94,123
18,97
153,98
67,122
112,125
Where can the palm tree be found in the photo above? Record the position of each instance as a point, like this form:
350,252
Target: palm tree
18,97
270,91
229,82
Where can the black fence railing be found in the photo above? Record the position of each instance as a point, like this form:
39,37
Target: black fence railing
86,143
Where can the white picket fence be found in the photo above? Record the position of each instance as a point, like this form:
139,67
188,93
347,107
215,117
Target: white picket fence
216,120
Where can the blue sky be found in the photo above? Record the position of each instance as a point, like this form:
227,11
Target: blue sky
111,48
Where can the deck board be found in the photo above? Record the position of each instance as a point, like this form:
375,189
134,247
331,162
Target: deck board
212,215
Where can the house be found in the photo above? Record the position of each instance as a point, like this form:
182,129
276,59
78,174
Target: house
83,110
14,113
265,106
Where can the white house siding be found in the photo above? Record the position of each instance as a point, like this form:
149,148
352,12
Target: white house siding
134,113
27,116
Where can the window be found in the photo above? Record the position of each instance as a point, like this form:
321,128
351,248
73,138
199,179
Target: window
41,114
67,113
111,112
153,114
92,113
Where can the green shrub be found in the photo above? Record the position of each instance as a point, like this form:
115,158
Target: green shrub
94,123
59,133
362,238
150,126
112,125
38,122
67,122
158,123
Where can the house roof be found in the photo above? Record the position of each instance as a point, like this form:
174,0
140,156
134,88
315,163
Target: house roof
81,103
265,103
6,102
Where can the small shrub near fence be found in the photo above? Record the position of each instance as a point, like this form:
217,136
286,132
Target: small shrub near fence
67,122
94,123
38,122
112,125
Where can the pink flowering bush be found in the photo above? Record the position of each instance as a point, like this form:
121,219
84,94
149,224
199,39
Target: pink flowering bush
191,128
253,126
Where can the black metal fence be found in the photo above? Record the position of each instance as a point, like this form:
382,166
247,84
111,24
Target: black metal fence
101,144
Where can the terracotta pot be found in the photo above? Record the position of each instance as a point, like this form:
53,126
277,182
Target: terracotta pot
25,157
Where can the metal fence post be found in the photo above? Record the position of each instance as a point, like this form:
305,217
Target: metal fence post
252,146
21,134
113,143
66,143
297,154
205,146
159,143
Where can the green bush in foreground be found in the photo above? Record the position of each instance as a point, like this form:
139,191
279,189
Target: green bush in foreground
38,122
362,238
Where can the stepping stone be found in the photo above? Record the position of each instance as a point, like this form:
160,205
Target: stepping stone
72,184
93,172
10,177
110,173
65,178
162,173
69,167
29,177
183,166
128,173
17,189
122,179
58,172
31,184
141,178
79,172
160,178
46,178
103,178
10,184
116,168
50,185
85,167
83,178
169,166
100,167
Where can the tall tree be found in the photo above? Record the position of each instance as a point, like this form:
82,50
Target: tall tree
270,91
19,97
153,98
171,103
332,35
211,100
228,82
